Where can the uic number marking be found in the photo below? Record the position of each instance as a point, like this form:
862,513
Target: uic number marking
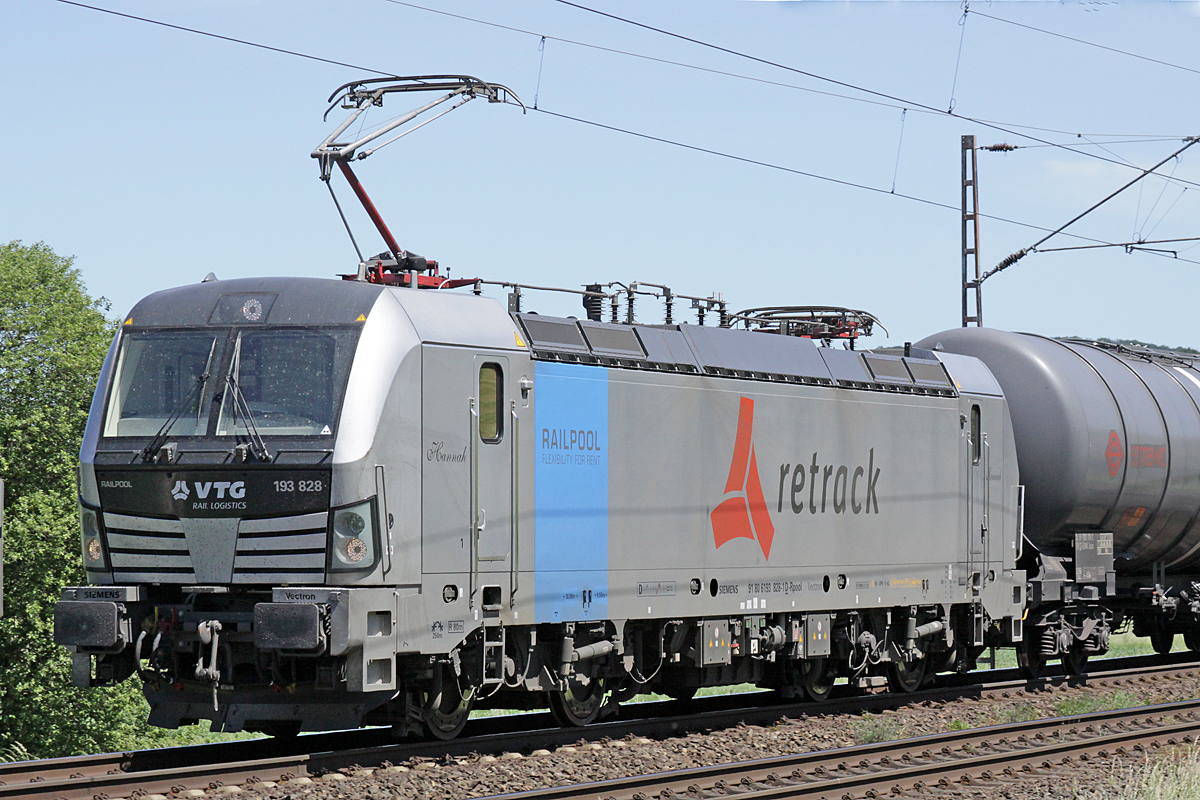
305,486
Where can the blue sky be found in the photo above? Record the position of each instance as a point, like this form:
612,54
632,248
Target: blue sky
155,156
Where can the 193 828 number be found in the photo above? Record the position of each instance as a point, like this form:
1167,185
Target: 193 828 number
304,486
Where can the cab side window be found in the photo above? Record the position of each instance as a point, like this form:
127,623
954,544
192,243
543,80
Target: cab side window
491,400
976,435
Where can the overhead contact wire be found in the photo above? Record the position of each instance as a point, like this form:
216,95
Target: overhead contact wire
740,76
622,130
541,63
224,38
1089,44
794,171
962,24
815,76
769,165
899,145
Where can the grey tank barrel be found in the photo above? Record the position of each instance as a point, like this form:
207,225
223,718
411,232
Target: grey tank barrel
1108,439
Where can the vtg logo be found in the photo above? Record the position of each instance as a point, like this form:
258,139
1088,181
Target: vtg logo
744,515
236,489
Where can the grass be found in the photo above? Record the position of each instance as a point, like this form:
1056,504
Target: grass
1171,777
870,729
708,691
1120,646
15,752
1018,713
1091,703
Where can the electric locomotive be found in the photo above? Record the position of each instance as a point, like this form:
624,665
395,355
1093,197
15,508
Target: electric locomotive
311,504
317,504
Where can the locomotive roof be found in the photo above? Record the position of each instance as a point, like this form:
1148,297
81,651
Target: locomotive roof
279,301
770,356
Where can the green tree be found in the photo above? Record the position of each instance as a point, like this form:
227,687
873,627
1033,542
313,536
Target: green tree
53,337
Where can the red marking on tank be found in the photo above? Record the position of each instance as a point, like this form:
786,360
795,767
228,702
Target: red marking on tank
1148,456
1114,453
745,515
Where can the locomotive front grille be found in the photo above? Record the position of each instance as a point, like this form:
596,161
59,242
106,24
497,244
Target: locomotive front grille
279,550
144,549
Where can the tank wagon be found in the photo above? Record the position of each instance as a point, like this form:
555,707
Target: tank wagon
315,504
1108,441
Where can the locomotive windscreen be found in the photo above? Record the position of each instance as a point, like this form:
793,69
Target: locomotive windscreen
290,380
157,376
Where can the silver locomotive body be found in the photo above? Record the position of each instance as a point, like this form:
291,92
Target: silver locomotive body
318,504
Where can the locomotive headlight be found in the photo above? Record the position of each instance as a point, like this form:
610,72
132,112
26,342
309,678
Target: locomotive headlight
93,549
353,544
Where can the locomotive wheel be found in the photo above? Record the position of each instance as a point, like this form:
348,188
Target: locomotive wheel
626,690
906,676
1074,661
446,712
1192,640
816,676
1030,663
578,704
1162,641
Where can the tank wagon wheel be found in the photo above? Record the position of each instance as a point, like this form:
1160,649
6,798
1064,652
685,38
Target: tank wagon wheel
578,704
1074,661
1192,640
906,676
817,676
1162,641
1030,662
447,711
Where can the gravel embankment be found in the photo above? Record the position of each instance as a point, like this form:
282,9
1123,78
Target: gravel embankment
481,776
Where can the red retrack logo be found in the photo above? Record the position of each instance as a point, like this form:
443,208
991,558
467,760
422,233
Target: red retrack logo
744,515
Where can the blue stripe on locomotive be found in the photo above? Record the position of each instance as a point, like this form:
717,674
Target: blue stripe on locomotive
570,492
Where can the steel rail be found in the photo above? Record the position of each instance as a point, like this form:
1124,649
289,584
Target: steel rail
897,766
207,766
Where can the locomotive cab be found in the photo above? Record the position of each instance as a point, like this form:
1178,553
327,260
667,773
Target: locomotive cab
236,524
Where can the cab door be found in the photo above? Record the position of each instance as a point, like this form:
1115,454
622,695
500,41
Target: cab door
492,463
978,457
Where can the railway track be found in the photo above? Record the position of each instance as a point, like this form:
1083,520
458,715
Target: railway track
981,755
180,770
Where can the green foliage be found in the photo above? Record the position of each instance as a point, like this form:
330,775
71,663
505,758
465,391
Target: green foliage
53,337
1090,704
871,729
1022,712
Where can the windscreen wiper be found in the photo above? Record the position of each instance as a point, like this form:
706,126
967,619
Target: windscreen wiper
151,451
257,447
